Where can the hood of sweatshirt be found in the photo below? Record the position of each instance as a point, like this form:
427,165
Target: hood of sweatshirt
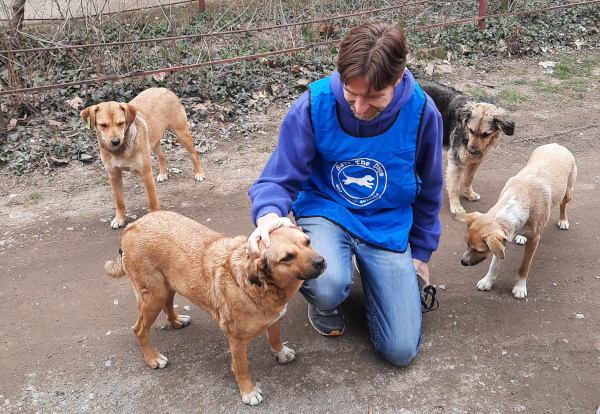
354,126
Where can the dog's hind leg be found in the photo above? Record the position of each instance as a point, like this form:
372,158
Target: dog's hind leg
468,176
185,137
163,173
282,352
149,307
520,288
453,185
175,320
563,221
239,365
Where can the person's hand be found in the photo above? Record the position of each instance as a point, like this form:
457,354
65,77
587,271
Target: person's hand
422,268
265,225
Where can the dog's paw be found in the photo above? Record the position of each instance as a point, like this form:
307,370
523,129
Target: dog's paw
117,222
457,208
160,362
520,239
285,355
162,177
485,284
181,321
564,224
253,398
520,289
198,177
473,196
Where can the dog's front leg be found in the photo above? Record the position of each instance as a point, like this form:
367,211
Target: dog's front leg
116,182
520,288
239,365
488,281
148,181
468,175
453,185
282,352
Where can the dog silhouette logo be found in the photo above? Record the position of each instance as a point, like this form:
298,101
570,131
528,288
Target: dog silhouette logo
360,181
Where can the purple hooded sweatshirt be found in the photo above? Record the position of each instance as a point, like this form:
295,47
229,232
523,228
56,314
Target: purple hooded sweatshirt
290,163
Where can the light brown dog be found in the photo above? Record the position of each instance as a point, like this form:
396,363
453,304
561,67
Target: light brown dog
522,211
127,132
164,253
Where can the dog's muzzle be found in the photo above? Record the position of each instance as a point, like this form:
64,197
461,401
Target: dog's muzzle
115,142
318,265
462,262
473,152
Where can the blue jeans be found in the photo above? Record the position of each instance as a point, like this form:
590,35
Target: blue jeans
389,283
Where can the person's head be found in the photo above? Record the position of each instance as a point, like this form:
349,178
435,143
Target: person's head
371,62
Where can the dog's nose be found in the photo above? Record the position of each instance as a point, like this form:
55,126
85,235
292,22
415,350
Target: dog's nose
473,151
319,263
462,262
115,141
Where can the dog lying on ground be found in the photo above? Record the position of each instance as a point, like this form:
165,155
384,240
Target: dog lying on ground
127,132
522,209
471,132
164,253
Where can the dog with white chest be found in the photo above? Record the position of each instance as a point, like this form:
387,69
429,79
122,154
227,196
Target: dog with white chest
523,210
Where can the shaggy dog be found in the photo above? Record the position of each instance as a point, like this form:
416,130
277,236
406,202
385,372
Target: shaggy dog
471,131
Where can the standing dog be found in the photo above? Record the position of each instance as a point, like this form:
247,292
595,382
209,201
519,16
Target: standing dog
127,132
471,131
523,209
164,253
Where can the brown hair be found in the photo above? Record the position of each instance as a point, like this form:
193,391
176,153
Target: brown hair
375,51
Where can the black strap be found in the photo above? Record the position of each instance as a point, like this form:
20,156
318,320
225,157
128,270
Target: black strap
428,299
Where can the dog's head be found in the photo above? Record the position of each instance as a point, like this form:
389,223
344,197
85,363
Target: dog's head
289,260
483,237
483,123
110,120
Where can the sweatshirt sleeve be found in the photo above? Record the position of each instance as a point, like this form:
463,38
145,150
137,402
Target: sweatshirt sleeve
289,165
424,236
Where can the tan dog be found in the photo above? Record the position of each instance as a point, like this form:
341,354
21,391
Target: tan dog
522,210
127,132
164,253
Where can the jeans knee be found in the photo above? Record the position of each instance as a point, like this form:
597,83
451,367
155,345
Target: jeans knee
400,352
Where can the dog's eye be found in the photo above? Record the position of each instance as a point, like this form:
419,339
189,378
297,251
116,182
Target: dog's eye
102,125
120,124
288,257
471,131
307,243
485,134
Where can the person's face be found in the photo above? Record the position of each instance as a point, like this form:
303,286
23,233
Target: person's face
366,103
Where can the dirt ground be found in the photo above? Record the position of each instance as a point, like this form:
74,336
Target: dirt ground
67,345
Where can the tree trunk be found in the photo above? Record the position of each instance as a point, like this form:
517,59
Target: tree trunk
16,23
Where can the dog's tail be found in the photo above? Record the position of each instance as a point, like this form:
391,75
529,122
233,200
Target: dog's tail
114,268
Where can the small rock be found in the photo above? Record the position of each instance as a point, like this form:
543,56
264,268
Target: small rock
504,352
85,157
187,308
116,301
579,316
464,50
175,170
108,333
70,228
554,284
443,287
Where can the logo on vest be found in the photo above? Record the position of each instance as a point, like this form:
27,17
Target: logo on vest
359,181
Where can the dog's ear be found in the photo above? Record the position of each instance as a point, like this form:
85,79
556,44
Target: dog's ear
496,242
90,113
507,126
260,272
130,113
464,113
468,218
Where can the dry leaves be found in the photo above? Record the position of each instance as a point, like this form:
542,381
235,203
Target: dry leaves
75,102
159,76
204,105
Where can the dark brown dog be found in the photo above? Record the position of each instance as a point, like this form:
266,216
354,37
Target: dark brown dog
471,131
127,132
164,253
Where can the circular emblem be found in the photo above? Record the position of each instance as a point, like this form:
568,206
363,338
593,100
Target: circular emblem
360,181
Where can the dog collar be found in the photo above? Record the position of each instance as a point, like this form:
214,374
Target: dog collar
89,124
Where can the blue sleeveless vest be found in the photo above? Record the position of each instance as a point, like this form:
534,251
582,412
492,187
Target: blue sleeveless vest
365,185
